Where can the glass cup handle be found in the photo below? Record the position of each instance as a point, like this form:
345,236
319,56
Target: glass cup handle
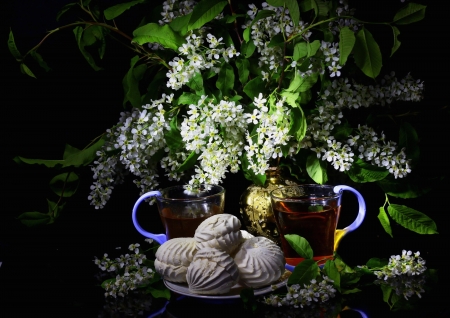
160,238
359,218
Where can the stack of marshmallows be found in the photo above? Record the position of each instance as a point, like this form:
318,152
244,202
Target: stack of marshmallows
219,256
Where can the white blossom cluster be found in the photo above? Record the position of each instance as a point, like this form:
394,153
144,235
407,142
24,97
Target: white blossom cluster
263,31
137,137
365,143
404,274
408,263
270,135
174,8
197,59
404,285
135,305
314,293
216,132
379,152
134,274
344,94
331,54
344,11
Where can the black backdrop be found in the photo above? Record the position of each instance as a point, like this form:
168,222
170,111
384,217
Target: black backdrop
73,104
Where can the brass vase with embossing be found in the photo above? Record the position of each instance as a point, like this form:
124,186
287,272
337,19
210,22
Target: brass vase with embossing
255,206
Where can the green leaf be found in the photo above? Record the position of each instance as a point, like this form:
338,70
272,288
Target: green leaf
300,122
312,48
13,48
376,262
295,83
47,163
292,99
277,40
317,169
342,267
233,17
69,151
114,11
249,299
31,219
246,34
412,219
367,53
102,46
302,84
38,58
188,98
333,273
189,162
300,245
164,35
204,12
225,80
342,131
25,70
248,48
346,42
54,209
276,3
254,87
384,220
300,50
179,24
387,291
196,84
403,188
66,181
107,281
362,172
84,157
243,67
64,9
294,11
131,83
397,43
78,31
411,13
173,137
307,5
323,7
158,290
408,139
304,272
350,291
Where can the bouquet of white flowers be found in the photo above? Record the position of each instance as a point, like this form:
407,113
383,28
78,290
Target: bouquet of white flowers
240,88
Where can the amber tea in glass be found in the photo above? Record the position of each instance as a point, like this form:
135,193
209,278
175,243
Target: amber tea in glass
311,211
182,211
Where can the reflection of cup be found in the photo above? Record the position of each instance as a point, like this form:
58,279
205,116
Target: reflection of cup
312,211
182,211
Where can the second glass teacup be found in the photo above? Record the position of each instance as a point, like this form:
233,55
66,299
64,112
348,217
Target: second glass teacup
312,211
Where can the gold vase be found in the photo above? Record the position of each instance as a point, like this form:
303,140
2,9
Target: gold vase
255,206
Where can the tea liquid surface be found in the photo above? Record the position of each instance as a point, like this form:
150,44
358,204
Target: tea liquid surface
183,227
316,223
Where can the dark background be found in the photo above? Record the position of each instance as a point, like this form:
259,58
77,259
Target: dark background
47,269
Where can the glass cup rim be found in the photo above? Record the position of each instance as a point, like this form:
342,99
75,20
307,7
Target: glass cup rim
193,199
307,196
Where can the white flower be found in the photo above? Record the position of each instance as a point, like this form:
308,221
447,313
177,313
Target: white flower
334,69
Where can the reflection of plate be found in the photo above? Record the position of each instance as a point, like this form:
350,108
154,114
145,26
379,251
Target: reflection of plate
234,293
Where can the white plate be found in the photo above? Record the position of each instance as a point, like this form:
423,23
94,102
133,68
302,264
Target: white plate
234,293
